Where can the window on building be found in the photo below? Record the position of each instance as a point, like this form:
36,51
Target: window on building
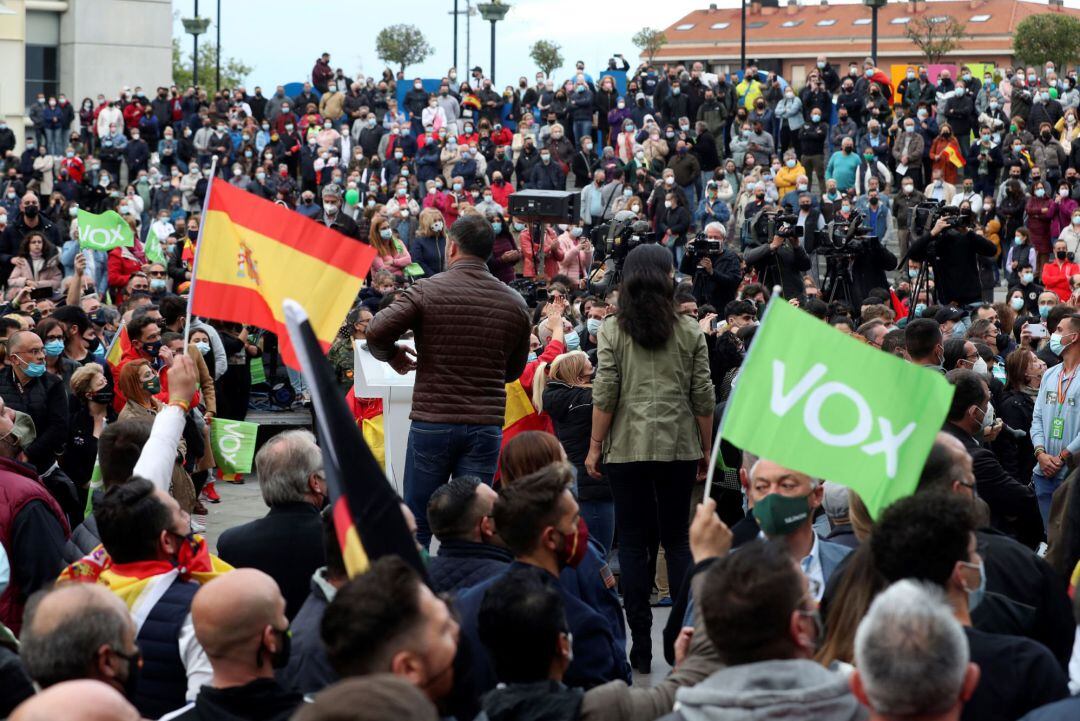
720,26
757,24
826,23
792,24
42,54
685,26
901,21
979,18
861,21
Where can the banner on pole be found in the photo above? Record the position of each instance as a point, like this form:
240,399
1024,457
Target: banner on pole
233,443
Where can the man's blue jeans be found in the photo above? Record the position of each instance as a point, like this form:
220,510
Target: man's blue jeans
441,451
1044,490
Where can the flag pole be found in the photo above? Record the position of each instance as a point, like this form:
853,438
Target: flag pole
198,248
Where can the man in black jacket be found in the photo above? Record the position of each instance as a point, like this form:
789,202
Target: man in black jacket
954,261
26,387
1013,506
286,543
781,261
30,218
716,276
239,619
459,514
331,215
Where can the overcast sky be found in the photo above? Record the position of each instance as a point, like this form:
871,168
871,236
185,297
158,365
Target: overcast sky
282,38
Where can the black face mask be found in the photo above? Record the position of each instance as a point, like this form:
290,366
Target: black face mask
30,211
278,659
1061,254
104,397
193,234
134,670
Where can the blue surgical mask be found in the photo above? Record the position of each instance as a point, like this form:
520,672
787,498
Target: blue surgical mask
593,325
99,351
572,341
919,308
976,595
1044,310
54,348
157,285
34,370
203,346
532,356
1017,304
1027,278
1018,240
1056,346
497,227
913,273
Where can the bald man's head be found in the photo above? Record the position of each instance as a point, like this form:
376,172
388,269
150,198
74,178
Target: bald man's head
236,616
76,701
78,631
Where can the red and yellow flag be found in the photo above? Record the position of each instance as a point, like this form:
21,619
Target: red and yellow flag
954,157
254,254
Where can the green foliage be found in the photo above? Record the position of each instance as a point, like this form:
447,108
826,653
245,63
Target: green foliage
546,55
649,41
1047,36
233,72
402,45
936,36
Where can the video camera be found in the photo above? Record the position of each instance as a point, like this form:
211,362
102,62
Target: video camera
533,291
926,214
846,237
616,238
702,247
771,223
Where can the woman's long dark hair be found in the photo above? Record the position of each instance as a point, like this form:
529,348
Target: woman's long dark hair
646,296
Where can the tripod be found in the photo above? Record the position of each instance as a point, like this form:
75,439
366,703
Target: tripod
839,284
922,282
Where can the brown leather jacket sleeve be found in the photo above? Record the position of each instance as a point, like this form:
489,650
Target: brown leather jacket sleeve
391,322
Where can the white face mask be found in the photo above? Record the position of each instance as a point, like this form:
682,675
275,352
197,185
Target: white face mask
979,367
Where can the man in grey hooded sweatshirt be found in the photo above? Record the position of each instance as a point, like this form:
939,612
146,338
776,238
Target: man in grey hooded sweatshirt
763,621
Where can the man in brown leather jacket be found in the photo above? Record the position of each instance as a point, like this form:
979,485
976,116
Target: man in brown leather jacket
472,338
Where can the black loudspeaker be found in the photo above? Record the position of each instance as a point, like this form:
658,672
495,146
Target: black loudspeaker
546,206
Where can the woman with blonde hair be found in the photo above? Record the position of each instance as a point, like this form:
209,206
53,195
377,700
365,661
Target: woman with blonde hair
564,391
428,245
391,253
139,383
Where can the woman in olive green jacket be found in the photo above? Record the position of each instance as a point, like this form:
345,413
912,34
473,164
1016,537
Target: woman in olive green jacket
653,403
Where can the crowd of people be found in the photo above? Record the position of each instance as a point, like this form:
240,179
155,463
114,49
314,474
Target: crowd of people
935,221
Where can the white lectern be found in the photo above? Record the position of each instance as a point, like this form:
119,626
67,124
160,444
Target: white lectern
373,378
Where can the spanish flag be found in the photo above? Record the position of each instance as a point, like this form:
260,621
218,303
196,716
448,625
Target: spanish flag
368,413
954,157
252,254
366,509
120,345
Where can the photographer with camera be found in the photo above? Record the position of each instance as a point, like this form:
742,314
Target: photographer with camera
715,268
951,246
782,260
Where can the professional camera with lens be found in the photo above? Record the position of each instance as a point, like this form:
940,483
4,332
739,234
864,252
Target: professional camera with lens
925,216
533,291
702,247
846,237
955,217
772,223
615,239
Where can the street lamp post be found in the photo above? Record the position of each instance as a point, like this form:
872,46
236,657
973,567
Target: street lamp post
217,55
742,40
195,27
874,5
493,12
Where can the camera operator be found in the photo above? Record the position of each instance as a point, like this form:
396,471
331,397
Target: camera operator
951,246
868,269
781,261
716,276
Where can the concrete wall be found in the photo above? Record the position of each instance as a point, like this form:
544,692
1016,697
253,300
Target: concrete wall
108,44
13,65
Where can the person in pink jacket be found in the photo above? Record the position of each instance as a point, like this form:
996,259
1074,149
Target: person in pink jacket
576,253
391,253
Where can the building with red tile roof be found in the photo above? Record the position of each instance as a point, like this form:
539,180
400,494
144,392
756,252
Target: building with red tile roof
787,39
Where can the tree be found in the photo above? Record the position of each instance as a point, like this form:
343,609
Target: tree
649,41
546,55
233,71
1047,36
402,45
935,35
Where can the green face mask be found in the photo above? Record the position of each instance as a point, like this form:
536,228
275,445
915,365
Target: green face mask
152,386
778,515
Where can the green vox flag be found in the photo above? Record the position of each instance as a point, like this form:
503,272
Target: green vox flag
818,401
95,484
152,248
233,443
104,232
258,371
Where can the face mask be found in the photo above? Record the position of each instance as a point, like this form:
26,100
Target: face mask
1061,254
922,114
913,273
779,515
519,227
919,308
815,118
54,348
979,367
593,325
532,357
1056,345
157,284
152,386
1017,304
801,187
437,226
976,595
1027,278
573,342
572,551
1039,192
